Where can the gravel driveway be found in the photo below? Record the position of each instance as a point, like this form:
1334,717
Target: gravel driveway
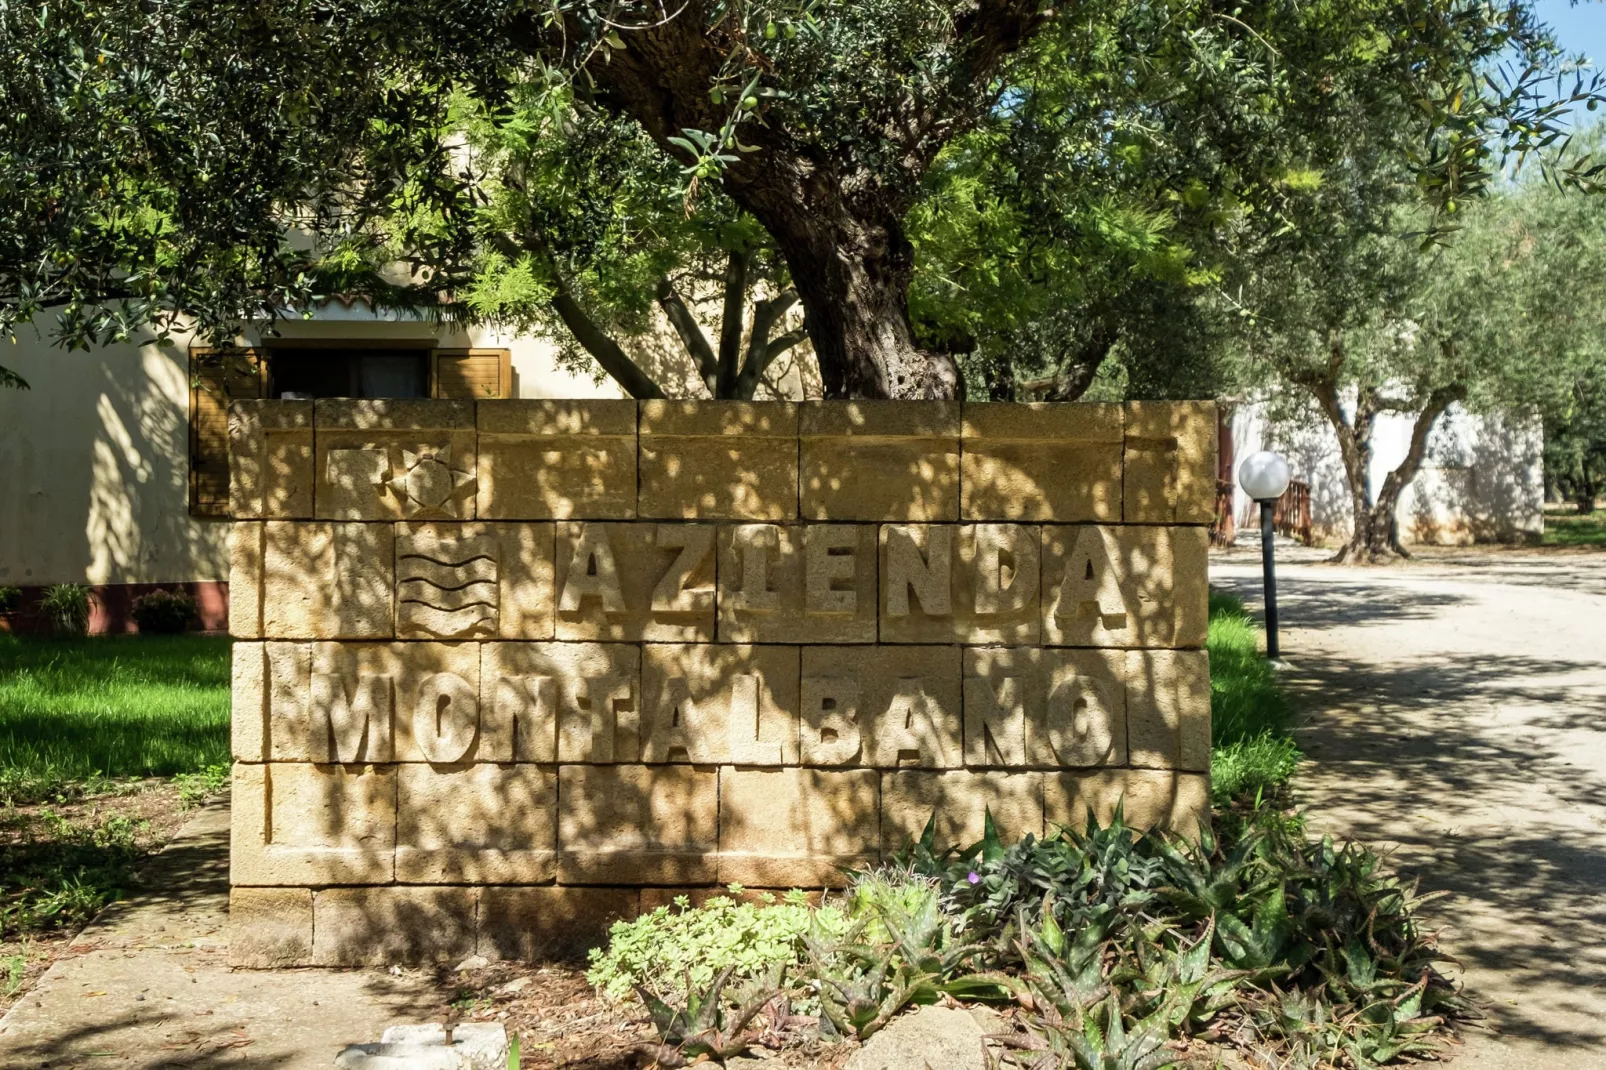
1455,710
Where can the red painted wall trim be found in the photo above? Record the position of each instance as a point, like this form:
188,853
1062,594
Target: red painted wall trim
111,607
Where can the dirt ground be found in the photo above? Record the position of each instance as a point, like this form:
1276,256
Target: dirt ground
1457,713
41,833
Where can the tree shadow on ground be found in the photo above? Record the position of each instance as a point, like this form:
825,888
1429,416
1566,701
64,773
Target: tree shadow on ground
1331,601
1482,776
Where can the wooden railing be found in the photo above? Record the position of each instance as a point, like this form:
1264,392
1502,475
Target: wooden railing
1290,516
1225,528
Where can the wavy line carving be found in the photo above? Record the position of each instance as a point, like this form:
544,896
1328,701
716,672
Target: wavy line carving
446,588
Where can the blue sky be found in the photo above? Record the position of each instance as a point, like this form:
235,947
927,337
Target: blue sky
1580,29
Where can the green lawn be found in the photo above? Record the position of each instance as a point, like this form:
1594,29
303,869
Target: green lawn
1573,529
1251,714
86,709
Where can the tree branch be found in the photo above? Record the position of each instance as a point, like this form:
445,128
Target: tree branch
761,348
691,335
604,350
730,324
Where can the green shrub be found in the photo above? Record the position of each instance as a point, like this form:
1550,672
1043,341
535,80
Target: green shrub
164,613
663,948
10,598
67,606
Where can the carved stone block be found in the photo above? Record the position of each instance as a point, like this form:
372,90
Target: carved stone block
1148,797
384,926
1170,464
797,583
636,824
1045,462
549,459
719,705
394,460
270,928
966,583
895,461
248,704
572,702
484,823
474,581
881,706
1028,707
538,924
1125,586
355,703
630,582
245,580
270,460
327,581
1168,712
312,825
718,460
784,828
960,802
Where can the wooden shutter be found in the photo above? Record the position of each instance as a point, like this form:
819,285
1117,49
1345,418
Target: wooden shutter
471,373
217,377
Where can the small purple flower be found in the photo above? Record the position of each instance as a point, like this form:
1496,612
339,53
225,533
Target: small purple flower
974,878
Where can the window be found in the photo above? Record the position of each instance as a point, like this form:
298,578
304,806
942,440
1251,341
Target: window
219,376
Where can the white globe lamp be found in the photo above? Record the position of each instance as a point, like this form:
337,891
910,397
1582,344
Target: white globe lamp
1264,476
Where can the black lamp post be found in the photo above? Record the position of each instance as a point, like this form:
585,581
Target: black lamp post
1264,477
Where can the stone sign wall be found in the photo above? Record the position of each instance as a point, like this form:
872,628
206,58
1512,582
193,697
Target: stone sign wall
507,669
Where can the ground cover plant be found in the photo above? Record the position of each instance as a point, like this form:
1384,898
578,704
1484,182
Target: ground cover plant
77,711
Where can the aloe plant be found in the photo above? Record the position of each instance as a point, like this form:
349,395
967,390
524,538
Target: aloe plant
703,1027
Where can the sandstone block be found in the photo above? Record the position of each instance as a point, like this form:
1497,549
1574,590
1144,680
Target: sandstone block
573,702
1041,462
270,928
248,702
634,824
550,459
791,583
535,924
328,581
959,802
631,582
317,825
718,460
1124,586
796,827
474,824
382,926
881,706
270,460
965,583
895,461
727,704
1168,715
1149,798
245,580
1043,708
394,459
474,581
1170,462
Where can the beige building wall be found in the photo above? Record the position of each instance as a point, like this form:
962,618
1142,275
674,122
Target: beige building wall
94,459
